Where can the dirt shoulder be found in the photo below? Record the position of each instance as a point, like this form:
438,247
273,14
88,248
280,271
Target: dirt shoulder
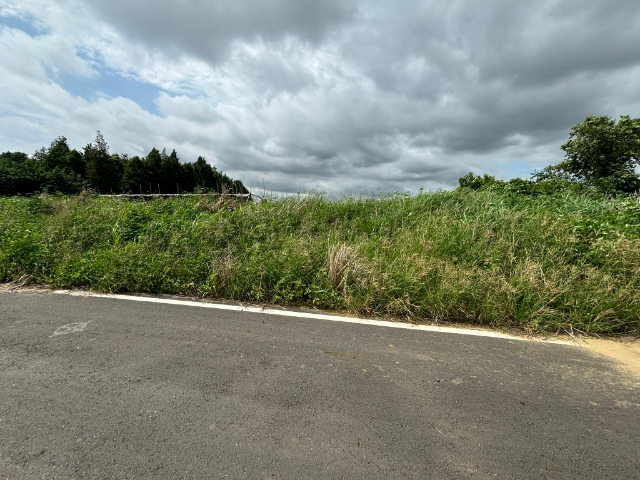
624,350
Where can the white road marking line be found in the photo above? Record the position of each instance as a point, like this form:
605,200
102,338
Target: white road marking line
71,328
316,316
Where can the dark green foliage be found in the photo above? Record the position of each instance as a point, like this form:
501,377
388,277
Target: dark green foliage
618,182
476,182
56,155
602,153
60,156
60,180
187,178
19,174
170,172
135,175
75,162
203,173
59,169
548,186
208,178
102,169
153,164
599,148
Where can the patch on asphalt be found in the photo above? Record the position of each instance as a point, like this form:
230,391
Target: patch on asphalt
71,328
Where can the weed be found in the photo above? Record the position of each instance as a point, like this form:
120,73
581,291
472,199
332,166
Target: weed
546,263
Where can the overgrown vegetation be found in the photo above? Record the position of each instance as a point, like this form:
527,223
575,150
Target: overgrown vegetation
544,263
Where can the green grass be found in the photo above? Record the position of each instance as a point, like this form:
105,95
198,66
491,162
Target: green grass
543,263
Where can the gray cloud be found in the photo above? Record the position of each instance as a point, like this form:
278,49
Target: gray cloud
209,28
391,95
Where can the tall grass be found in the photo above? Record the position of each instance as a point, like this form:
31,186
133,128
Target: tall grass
540,263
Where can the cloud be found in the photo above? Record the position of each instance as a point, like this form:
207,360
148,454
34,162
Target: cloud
209,28
340,96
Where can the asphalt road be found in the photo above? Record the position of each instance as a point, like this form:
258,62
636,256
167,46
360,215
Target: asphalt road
165,391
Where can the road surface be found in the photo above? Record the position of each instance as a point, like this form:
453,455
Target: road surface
107,388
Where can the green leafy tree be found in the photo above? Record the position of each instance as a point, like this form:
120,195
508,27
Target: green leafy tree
601,152
19,174
61,180
75,162
211,179
40,155
476,182
56,154
60,156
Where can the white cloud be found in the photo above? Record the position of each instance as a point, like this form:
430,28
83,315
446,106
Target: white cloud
379,95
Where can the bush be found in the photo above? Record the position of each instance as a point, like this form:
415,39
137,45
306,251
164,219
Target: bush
476,182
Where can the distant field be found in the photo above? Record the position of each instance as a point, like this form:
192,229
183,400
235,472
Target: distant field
545,263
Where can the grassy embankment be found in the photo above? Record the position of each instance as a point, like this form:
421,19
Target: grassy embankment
540,263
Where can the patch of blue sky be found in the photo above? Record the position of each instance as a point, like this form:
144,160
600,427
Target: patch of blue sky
111,84
520,169
27,25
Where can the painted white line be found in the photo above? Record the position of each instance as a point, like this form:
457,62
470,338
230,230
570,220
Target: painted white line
315,316
71,328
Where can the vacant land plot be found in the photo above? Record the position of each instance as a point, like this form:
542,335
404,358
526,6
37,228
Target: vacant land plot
545,263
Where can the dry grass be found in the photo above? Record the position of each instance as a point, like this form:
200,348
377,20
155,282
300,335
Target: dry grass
342,260
223,202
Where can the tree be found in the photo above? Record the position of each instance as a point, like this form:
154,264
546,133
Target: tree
601,152
476,182
187,177
19,174
40,155
60,180
153,164
102,171
76,163
56,154
59,169
170,172
203,174
119,163
60,156
135,176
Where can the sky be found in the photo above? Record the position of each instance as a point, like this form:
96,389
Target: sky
335,95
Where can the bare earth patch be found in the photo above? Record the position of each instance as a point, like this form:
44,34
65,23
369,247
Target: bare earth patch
13,287
625,351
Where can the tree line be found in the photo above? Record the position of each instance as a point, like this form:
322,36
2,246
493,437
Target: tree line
602,154
60,169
